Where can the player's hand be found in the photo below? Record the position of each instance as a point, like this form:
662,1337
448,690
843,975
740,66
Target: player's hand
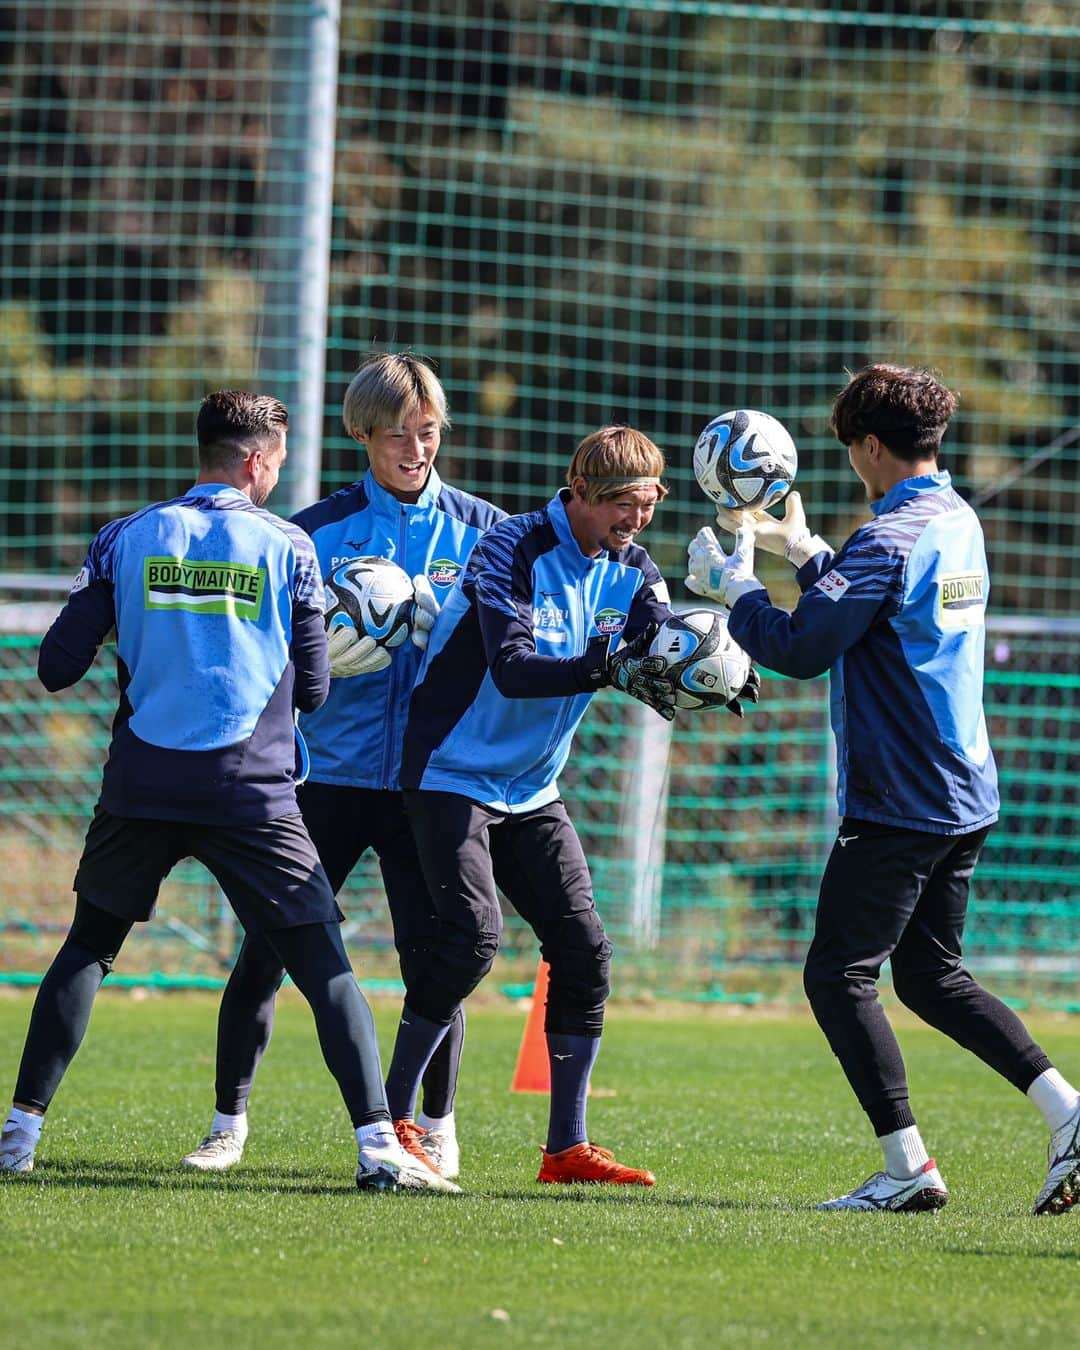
352,653
425,610
788,537
749,693
716,575
633,671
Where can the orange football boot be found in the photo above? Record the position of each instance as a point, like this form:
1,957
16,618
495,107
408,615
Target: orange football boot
587,1162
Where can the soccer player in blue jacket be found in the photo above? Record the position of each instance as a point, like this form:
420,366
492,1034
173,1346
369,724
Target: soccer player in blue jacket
897,616
395,406
217,607
520,646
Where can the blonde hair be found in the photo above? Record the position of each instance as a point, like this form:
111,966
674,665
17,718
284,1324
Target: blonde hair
615,459
388,388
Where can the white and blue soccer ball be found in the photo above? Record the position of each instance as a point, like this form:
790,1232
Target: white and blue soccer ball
704,662
745,460
372,595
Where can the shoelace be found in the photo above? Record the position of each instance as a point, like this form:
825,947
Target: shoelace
217,1143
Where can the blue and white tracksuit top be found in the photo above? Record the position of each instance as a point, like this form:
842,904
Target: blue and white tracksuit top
354,740
898,617
217,606
502,689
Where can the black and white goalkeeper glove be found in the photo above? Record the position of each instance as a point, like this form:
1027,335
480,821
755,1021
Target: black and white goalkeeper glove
633,671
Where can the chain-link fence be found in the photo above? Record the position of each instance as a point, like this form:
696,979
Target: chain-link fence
585,213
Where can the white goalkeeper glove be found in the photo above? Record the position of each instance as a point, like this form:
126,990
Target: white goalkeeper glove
788,538
352,653
720,576
425,610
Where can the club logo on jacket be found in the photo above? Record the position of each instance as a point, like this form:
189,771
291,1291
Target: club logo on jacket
443,571
608,622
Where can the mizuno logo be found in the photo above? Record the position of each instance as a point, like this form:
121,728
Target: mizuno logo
844,839
555,1056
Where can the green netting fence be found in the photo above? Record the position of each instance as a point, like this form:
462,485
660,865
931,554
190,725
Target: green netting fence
584,213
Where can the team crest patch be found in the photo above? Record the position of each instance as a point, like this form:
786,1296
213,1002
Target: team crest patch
608,622
203,587
443,571
833,584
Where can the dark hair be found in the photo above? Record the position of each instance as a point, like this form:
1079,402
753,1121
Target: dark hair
232,423
905,407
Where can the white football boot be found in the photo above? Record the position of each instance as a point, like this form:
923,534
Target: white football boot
900,1195
17,1150
387,1167
1061,1189
441,1147
219,1150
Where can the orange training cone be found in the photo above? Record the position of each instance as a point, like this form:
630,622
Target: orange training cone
533,1071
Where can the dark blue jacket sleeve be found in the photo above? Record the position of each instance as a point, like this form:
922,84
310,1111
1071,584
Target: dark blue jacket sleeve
310,659
503,596
68,649
519,671
838,605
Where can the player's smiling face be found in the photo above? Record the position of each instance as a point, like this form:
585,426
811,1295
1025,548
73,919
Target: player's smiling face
611,523
401,456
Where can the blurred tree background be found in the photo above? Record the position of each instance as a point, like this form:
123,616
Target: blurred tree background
583,212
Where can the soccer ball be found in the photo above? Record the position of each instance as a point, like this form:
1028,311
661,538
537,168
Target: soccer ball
704,662
372,595
745,459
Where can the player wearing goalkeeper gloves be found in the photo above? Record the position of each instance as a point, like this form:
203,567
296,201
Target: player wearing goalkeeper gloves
217,607
514,658
395,407
897,616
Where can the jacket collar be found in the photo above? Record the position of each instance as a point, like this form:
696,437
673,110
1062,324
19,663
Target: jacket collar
909,488
556,510
378,495
215,490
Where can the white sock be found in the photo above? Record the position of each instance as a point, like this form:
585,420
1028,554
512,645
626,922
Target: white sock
379,1134
437,1124
223,1124
26,1121
1056,1098
905,1152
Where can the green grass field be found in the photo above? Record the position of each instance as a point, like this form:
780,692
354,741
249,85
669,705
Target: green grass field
745,1120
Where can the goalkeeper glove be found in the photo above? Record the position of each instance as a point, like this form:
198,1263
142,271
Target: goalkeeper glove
633,671
751,692
716,575
425,611
789,538
354,654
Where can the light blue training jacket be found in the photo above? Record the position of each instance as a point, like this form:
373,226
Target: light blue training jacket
354,739
506,678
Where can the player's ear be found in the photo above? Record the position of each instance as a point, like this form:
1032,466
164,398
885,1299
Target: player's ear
577,489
